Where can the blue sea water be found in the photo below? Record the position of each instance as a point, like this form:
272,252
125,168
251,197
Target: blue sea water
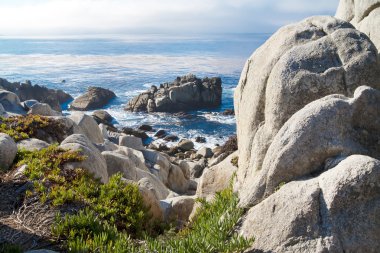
130,64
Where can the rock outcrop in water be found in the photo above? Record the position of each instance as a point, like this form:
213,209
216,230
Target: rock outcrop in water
27,91
94,98
184,94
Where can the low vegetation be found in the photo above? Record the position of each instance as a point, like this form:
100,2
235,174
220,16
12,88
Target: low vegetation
111,217
29,126
235,161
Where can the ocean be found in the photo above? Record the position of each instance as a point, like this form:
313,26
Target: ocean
130,64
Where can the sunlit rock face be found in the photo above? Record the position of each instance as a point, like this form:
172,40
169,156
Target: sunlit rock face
299,64
308,125
364,15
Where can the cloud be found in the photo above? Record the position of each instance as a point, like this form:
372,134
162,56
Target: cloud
32,17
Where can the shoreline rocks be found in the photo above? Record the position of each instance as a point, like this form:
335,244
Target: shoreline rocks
94,98
27,91
184,94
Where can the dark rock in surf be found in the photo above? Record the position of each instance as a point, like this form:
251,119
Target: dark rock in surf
183,94
103,117
27,91
94,98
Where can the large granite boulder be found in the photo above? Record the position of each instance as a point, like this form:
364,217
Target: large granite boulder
102,117
8,151
185,93
94,98
32,144
27,91
326,128
173,176
216,178
364,15
177,209
88,125
337,211
10,102
94,162
43,110
300,63
318,187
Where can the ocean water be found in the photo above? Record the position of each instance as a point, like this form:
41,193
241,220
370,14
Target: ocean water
129,65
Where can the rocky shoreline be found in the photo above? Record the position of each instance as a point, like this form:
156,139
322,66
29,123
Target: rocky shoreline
304,166
183,94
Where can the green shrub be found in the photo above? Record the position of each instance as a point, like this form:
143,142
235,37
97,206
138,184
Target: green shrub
211,229
113,215
85,232
235,161
115,202
24,127
122,204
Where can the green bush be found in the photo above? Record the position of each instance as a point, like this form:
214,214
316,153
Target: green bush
24,127
113,216
211,231
86,232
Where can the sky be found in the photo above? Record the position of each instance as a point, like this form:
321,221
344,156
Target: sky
76,17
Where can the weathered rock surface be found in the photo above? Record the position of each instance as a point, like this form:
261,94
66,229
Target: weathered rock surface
177,209
27,91
192,169
151,201
185,145
8,151
177,180
326,128
205,152
300,63
88,125
185,93
135,132
334,212
94,162
11,102
32,144
154,185
172,175
69,127
3,113
117,162
364,15
102,117
43,109
27,104
94,98
216,178
131,142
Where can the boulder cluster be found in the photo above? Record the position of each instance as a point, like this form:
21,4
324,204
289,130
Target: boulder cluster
167,180
308,126
183,94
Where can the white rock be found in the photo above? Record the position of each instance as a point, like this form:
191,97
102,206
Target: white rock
131,142
88,125
43,110
8,151
94,162
32,144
